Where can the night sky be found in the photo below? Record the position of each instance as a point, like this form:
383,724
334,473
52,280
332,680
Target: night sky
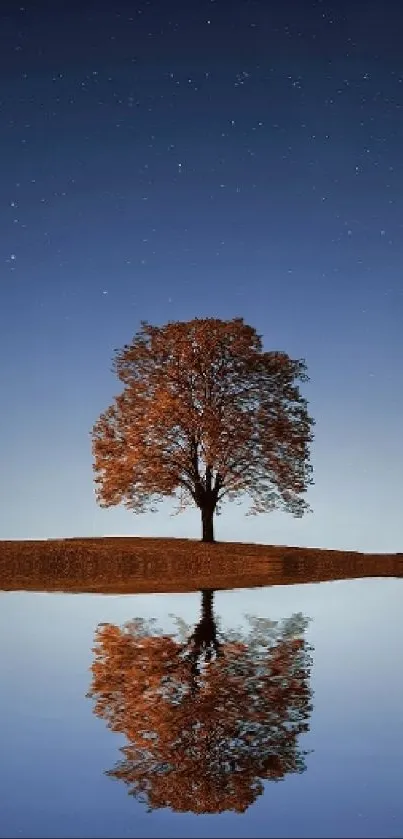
166,160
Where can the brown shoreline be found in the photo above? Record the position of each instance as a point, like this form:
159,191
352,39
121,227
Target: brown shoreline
134,565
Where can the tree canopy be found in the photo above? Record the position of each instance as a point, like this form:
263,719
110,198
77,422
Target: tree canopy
205,414
208,715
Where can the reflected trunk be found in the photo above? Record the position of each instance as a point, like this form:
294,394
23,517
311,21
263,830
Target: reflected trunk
207,606
204,636
203,642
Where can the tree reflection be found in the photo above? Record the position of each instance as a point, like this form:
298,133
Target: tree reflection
208,715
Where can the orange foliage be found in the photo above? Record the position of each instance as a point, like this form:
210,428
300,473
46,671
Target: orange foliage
205,413
203,742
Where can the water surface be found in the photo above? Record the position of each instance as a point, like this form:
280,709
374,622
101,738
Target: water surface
319,745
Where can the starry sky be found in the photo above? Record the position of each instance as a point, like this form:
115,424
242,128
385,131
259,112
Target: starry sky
170,160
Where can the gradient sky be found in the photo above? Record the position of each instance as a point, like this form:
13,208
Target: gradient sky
168,160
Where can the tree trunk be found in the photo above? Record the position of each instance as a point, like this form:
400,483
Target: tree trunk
207,524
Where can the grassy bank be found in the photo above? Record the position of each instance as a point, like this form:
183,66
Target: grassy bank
139,565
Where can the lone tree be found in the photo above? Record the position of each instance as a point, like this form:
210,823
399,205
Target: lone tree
205,414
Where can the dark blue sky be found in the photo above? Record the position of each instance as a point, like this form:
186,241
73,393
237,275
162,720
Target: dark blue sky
166,160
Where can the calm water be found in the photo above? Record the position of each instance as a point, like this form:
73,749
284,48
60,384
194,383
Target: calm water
313,707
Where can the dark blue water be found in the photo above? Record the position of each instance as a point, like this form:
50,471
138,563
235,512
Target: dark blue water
304,730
